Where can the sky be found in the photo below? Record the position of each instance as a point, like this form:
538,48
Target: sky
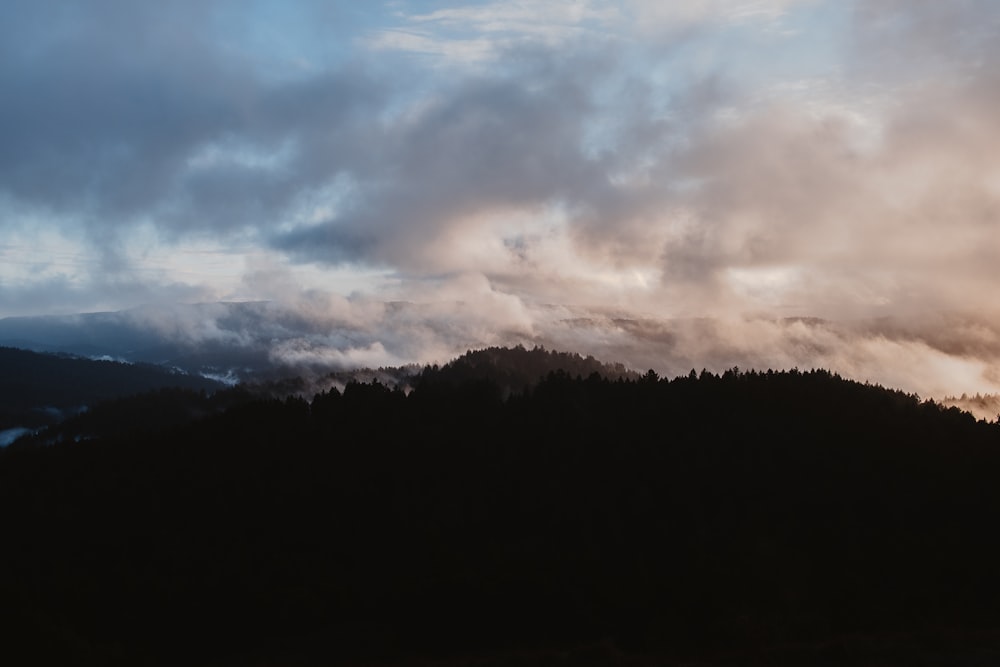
708,183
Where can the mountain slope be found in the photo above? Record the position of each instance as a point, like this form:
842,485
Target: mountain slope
691,519
38,389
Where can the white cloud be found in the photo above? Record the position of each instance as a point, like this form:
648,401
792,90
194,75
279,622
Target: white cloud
475,35
465,51
549,20
657,16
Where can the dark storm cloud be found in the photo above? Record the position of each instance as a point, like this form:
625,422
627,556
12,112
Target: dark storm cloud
114,112
105,105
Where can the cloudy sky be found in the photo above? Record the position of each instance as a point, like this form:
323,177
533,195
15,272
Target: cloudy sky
674,184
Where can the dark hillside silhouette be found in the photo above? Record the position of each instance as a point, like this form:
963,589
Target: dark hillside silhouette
150,411
36,389
748,517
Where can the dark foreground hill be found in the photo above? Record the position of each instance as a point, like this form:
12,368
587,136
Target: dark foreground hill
748,518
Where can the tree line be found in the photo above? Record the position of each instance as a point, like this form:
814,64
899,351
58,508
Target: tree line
673,517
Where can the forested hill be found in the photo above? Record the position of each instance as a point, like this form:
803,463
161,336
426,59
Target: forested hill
35,387
517,368
510,369
742,518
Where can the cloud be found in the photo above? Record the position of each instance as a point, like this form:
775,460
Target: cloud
491,146
464,51
757,202
103,111
60,294
612,176
138,112
652,15
476,35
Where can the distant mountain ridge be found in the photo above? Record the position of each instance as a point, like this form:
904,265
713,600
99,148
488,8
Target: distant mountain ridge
315,336
44,390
